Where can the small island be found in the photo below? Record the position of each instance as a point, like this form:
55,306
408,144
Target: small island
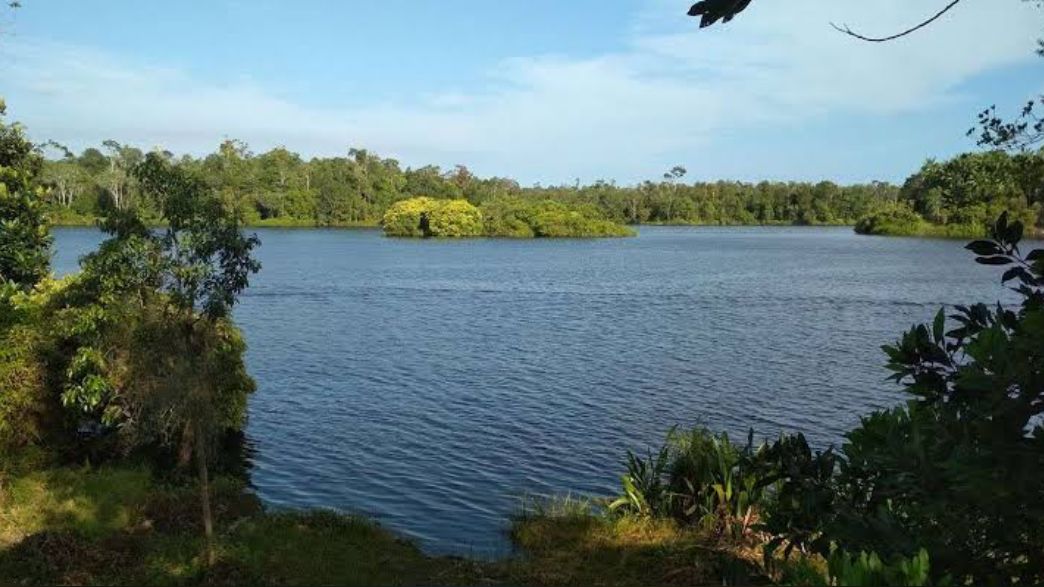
425,217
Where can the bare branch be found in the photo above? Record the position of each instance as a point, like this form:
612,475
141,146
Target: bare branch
848,31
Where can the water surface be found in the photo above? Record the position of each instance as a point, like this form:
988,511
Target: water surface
434,383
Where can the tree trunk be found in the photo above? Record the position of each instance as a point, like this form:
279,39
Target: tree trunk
204,488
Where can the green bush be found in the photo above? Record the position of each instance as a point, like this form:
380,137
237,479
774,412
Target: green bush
77,357
959,469
428,217
498,217
898,220
408,218
700,480
454,219
544,218
868,570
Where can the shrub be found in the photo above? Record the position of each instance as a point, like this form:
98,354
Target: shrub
525,218
499,217
897,220
958,470
454,219
75,359
408,218
699,479
868,570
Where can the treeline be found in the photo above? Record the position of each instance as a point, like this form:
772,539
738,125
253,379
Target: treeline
279,187
963,196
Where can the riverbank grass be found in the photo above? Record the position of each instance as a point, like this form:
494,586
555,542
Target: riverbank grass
121,526
574,542
124,526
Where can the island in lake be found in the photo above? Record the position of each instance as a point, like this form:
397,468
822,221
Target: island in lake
500,217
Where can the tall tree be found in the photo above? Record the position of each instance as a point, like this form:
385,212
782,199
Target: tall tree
198,264
25,241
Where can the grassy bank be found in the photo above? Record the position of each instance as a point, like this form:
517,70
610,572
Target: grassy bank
123,526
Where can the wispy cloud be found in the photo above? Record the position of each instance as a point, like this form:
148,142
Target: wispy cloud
623,115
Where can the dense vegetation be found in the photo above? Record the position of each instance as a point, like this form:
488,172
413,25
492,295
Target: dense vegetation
943,490
957,198
280,188
511,217
963,196
135,354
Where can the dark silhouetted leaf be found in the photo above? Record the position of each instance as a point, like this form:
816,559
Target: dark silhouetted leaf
993,260
984,248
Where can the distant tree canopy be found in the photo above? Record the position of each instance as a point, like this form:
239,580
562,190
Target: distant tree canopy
279,187
965,195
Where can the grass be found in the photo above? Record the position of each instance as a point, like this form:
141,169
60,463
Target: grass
572,542
123,526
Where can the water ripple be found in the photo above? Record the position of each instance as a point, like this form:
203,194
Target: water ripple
433,385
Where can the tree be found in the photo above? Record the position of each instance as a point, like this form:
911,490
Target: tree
959,469
66,179
25,241
195,268
117,178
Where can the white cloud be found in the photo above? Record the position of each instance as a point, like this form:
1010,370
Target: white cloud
552,118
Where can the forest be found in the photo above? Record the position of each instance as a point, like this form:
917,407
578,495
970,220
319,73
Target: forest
280,188
961,197
956,198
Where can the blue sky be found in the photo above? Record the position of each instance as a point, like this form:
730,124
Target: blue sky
540,90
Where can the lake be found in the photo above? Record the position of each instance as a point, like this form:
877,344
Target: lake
434,384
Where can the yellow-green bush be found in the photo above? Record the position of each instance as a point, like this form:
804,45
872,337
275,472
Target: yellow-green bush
500,217
428,217
408,217
454,219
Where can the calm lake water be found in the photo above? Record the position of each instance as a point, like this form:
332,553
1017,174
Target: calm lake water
434,384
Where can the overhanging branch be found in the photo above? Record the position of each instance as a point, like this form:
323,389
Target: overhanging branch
848,31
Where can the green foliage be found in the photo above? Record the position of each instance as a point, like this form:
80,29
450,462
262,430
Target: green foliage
86,359
897,220
803,496
518,217
700,480
136,349
955,474
454,219
956,471
24,403
867,570
972,440
205,259
428,217
498,217
25,242
279,188
963,196
408,218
